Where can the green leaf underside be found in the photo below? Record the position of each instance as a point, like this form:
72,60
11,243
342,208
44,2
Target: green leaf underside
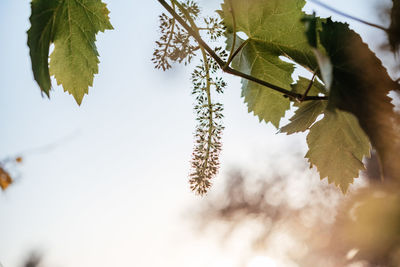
40,36
308,111
72,26
274,29
302,84
361,86
304,117
337,146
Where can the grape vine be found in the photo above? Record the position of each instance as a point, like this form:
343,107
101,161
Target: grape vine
346,100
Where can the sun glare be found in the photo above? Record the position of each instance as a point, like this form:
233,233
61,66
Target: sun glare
262,261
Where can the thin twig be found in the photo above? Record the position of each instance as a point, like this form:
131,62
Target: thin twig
228,69
308,88
40,149
348,16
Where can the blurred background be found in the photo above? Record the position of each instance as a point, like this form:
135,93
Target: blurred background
105,184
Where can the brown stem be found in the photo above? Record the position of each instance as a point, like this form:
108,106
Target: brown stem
228,69
237,51
308,88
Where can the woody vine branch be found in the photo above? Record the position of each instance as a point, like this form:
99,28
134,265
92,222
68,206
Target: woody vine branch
225,65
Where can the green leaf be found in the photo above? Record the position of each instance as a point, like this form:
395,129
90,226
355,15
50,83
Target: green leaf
302,84
361,86
308,111
40,36
337,146
311,29
274,29
304,116
72,26
313,26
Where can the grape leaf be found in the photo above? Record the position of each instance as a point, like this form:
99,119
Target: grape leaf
313,25
311,21
337,146
308,111
72,26
304,116
302,84
361,86
40,36
274,29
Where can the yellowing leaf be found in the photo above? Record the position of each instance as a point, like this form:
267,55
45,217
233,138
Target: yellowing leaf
72,26
337,146
5,179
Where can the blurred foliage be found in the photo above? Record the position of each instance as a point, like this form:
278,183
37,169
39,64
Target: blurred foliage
33,260
371,224
6,166
394,29
321,228
5,179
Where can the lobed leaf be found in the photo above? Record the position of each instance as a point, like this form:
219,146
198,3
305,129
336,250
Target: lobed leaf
274,30
40,36
304,117
337,146
302,84
308,111
361,86
72,26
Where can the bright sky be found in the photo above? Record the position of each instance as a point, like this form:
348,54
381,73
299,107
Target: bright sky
114,191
